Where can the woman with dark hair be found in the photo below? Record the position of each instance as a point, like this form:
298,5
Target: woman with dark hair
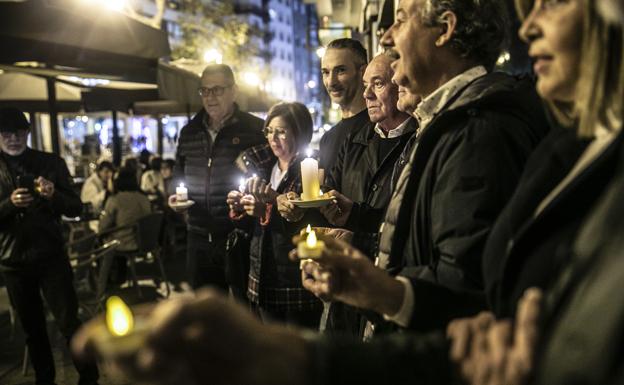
274,287
126,204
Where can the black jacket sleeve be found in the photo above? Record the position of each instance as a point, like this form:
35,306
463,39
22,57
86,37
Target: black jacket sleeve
395,359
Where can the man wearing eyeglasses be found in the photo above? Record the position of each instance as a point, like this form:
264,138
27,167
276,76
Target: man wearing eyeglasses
35,190
205,162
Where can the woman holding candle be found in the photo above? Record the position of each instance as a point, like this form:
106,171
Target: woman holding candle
275,290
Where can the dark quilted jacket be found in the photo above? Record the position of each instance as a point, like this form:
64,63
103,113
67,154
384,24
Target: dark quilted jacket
209,171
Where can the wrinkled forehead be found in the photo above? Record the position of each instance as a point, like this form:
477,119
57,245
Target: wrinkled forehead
214,80
379,68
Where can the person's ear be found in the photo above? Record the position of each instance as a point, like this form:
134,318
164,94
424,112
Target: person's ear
449,24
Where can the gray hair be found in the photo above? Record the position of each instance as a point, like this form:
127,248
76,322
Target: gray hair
219,69
481,30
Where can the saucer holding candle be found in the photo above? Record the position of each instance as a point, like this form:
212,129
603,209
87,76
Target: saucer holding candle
312,195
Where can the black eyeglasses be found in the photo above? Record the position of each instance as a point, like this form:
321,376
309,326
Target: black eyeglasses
216,90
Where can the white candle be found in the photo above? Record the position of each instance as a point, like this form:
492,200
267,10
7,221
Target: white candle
241,185
181,193
310,179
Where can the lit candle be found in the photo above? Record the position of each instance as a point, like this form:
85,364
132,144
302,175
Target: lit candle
241,185
119,319
310,248
181,193
310,178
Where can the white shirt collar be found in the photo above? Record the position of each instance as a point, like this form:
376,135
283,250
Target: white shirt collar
430,106
394,133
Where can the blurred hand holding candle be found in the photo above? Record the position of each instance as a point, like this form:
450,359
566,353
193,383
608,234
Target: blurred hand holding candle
310,178
311,247
181,193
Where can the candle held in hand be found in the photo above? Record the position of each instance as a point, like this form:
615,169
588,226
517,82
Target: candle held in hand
119,319
310,248
181,193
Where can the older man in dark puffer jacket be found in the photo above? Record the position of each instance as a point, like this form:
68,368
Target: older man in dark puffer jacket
205,163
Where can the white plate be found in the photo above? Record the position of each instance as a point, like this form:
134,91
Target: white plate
311,203
183,205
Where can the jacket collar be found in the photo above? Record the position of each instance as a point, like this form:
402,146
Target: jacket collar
431,106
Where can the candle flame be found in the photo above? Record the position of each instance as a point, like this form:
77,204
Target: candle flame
119,319
181,184
308,229
309,152
241,181
320,192
311,239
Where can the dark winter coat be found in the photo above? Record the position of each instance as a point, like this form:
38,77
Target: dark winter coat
32,237
208,169
465,168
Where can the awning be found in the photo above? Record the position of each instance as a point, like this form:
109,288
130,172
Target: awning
30,93
80,39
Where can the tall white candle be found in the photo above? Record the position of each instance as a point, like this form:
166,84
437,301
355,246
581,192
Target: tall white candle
181,193
310,179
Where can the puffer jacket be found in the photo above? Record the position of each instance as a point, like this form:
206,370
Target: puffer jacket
32,237
208,169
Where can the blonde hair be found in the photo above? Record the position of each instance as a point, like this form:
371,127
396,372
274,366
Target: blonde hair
600,87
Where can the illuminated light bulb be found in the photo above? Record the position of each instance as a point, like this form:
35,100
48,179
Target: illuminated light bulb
119,319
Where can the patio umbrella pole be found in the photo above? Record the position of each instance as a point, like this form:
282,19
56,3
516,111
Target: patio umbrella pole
54,128
160,134
116,141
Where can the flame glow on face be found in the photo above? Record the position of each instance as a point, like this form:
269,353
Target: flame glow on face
119,319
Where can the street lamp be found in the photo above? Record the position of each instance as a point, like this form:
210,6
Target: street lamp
213,56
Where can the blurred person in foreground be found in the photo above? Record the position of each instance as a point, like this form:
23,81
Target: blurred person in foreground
205,162
274,288
35,190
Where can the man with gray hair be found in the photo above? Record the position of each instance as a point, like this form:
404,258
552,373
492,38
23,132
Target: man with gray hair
205,162
476,130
